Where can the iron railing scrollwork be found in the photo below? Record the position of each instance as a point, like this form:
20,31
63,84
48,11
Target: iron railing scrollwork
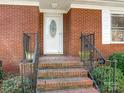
92,59
29,65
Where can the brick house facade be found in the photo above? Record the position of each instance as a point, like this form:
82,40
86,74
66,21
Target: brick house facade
15,20
86,21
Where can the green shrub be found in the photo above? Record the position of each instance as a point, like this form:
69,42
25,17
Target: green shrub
104,78
1,74
120,60
14,85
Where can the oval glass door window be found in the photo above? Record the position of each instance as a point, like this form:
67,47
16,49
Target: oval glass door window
53,28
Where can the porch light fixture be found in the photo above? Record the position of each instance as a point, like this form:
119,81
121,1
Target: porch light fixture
54,5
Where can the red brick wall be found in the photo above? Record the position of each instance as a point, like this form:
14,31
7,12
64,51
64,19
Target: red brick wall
14,21
86,21
66,33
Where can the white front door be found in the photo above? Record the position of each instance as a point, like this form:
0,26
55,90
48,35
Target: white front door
53,34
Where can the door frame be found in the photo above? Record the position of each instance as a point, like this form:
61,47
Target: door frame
45,15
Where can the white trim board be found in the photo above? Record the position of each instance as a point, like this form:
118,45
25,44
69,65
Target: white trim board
104,1
27,3
53,11
88,6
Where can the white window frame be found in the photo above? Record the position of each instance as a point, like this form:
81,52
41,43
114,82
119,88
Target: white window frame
115,12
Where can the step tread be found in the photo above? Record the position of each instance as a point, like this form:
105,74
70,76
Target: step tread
59,57
55,62
60,64
64,70
58,80
81,90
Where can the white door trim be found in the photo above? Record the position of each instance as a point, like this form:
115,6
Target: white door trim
61,27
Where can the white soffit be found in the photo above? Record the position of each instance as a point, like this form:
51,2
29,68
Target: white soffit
61,4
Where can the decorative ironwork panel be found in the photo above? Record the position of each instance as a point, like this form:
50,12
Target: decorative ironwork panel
53,28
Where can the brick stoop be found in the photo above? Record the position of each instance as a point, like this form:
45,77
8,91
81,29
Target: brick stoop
59,74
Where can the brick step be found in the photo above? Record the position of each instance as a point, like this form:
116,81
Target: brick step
81,90
59,58
59,73
64,83
60,64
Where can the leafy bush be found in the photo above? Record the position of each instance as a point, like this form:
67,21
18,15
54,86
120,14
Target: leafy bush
104,78
14,85
120,60
1,74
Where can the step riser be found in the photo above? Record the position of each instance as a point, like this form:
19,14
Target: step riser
61,74
71,85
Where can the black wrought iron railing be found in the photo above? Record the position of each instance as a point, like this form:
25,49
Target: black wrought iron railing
29,65
1,76
1,71
101,73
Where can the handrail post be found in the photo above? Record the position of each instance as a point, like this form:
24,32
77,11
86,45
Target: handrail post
24,46
22,84
114,76
34,62
81,45
36,56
